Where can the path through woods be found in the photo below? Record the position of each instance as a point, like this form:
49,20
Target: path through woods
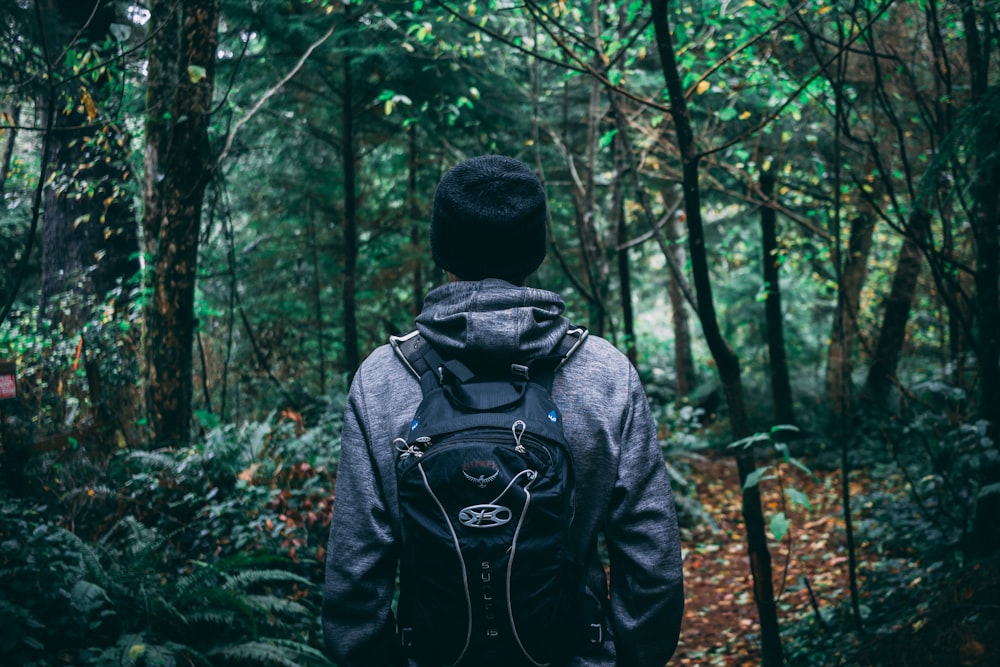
720,621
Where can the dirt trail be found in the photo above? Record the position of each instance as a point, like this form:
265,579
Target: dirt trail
720,619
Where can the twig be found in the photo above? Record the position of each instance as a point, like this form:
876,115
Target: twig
814,603
270,93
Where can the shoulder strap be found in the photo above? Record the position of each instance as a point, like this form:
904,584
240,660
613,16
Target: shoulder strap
412,349
543,369
421,358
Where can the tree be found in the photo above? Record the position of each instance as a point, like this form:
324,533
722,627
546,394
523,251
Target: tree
89,232
726,360
781,388
178,163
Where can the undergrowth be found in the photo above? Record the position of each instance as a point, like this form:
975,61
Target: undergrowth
208,555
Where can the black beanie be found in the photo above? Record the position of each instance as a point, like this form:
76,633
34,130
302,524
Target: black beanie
489,220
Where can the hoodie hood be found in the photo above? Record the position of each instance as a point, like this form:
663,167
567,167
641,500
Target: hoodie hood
492,321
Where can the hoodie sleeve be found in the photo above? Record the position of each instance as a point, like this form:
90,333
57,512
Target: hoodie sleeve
647,592
358,624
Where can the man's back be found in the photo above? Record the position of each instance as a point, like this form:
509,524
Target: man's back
620,477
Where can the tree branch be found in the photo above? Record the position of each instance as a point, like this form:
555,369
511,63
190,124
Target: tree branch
270,93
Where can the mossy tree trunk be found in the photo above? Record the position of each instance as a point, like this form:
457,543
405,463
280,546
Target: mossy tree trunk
179,162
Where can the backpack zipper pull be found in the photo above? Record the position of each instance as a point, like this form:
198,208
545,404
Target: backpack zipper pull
415,449
518,429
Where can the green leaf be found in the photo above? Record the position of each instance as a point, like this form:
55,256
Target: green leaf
779,526
606,138
802,466
799,498
754,478
749,440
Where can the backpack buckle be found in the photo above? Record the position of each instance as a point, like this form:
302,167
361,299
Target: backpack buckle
596,633
519,371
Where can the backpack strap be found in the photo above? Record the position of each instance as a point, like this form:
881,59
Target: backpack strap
421,359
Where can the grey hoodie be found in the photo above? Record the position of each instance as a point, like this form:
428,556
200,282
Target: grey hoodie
622,486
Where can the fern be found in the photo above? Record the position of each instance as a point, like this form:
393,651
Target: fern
272,604
246,579
270,653
225,618
160,460
87,554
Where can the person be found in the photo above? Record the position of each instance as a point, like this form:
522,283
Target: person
488,233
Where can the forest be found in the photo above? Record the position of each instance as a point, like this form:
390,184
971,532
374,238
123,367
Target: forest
786,214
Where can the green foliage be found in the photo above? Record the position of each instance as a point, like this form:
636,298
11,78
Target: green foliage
779,522
214,562
261,486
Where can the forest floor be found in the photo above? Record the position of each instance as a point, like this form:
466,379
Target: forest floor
720,621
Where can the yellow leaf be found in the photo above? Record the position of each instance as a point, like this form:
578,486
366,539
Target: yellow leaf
472,9
88,104
824,9
702,87
196,73
744,115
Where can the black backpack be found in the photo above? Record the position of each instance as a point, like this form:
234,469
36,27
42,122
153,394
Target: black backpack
486,488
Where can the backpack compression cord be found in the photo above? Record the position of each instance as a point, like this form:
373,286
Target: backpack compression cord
486,498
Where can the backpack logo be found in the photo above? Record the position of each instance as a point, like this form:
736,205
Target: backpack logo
484,468
485,516
482,481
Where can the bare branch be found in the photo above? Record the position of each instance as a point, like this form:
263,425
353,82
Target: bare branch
271,93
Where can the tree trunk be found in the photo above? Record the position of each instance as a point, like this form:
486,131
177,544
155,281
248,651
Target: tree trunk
845,322
352,357
89,235
178,168
593,260
8,147
781,386
89,230
892,333
316,288
726,360
686,378
985,538
624,268
416,235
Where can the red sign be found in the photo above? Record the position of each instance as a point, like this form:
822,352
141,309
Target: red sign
8,383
